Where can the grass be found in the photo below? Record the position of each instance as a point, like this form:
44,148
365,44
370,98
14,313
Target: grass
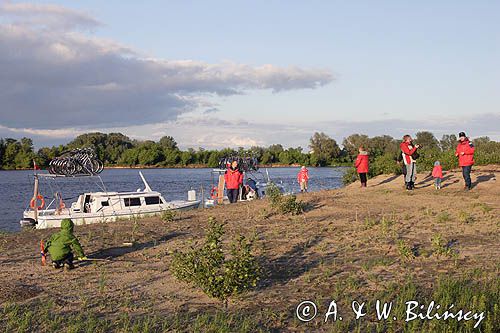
40,317
465,217
168,216
485,208
443,217
464,292
405,251
441,247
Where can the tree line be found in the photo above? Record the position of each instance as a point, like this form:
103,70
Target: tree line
116,149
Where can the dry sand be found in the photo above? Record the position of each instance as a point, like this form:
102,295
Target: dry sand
339,239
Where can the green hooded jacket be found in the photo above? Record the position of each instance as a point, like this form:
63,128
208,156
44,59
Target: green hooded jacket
61,243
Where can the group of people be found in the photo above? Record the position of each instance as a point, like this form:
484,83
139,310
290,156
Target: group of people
61,245
409,155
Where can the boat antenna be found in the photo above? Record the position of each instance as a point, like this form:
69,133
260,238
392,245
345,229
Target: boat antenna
146,188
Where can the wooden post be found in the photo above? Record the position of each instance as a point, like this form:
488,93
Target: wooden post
202,197
35,199
220,189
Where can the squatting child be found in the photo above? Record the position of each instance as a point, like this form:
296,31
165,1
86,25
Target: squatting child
61,244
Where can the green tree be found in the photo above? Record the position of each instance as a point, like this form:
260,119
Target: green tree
168,143
427,140
448,142
324,148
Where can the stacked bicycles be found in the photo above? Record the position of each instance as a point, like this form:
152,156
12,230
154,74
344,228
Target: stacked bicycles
77,162
245,164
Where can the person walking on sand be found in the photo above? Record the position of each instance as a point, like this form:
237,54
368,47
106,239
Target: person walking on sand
233,179
465,153
61,244
361,165
408,150
437,173
303,178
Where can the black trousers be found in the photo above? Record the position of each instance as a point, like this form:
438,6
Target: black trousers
466,173
68,259
362,177
232,195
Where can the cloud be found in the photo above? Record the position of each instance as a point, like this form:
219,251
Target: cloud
45,16
54,76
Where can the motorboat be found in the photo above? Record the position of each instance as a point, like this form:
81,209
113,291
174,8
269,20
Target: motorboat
100,207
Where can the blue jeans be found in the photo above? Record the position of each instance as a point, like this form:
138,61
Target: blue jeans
466,173
437,182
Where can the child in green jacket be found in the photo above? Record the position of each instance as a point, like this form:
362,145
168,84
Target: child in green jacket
61,244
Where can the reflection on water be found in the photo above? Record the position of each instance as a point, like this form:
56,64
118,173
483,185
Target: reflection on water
16,187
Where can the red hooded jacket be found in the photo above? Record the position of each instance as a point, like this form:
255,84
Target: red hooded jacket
303,175
407,150
437,171
233,179
361,163
467,148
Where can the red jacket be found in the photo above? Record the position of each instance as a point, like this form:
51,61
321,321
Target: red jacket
437,172
233,179
407,149
467,148
303,175
361,163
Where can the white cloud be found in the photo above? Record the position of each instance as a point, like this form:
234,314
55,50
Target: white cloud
45,16
56,77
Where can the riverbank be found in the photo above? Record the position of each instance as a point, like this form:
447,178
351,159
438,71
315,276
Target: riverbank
350,244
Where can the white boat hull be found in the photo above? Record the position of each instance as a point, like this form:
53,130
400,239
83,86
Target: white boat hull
49,218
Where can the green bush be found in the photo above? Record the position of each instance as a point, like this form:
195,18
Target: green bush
350,176
208,268
168,215
287,204
384,164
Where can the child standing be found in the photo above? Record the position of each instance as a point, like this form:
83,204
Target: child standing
61,244
303,178
437,173
361,165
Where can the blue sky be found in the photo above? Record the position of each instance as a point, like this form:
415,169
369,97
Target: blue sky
386,67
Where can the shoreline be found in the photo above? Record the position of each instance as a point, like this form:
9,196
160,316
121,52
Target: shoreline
196,166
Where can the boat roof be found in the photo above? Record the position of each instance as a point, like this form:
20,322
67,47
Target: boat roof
110,194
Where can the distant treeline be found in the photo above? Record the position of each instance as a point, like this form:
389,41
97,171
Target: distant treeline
116,149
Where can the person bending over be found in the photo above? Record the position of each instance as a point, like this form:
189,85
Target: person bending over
61,245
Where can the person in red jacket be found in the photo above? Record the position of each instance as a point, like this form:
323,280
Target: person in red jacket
465,153
408,151
361,165
303,178
233,179
437,173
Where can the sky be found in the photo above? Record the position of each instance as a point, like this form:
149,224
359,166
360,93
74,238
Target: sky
218,74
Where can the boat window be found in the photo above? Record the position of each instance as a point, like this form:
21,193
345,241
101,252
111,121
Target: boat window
132,202
152,200
105,203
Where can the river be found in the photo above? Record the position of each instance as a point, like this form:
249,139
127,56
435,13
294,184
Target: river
16,187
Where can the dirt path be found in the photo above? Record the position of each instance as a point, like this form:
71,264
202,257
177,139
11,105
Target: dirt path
348,238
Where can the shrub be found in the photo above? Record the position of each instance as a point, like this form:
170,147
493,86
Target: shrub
284,204
168,215
350,176
384,164
208,268
274,194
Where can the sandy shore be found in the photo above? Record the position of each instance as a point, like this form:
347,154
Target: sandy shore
347,240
